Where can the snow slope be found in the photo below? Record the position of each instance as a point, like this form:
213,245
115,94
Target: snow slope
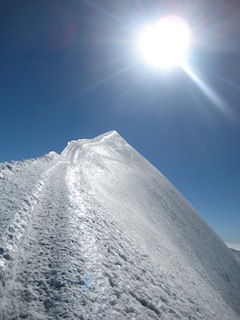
98,233
236,254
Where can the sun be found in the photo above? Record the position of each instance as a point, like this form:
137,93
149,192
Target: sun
165,44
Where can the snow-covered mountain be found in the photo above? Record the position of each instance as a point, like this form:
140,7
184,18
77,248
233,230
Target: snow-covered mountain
98,233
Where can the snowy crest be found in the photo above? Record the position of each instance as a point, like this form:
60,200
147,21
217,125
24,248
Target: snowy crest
99,233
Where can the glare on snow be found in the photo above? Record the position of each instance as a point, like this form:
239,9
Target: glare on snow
98,233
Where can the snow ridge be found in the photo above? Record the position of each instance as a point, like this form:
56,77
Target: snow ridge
98,233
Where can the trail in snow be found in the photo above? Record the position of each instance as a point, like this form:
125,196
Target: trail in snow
98,233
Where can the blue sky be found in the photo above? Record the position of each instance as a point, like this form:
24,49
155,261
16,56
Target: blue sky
72,69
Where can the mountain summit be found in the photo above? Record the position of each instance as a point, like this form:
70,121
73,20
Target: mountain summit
98,233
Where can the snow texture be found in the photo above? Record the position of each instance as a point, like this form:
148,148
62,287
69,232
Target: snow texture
98,233
236,253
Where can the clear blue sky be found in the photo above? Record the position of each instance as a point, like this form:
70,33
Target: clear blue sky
71,69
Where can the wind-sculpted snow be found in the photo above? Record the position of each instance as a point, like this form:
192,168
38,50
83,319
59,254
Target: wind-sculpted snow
98,233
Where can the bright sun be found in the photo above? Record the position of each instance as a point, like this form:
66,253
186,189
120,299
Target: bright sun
164,44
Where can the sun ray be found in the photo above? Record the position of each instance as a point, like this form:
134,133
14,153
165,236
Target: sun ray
212,96
107,79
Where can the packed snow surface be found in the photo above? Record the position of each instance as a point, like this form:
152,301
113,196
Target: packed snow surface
98,233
